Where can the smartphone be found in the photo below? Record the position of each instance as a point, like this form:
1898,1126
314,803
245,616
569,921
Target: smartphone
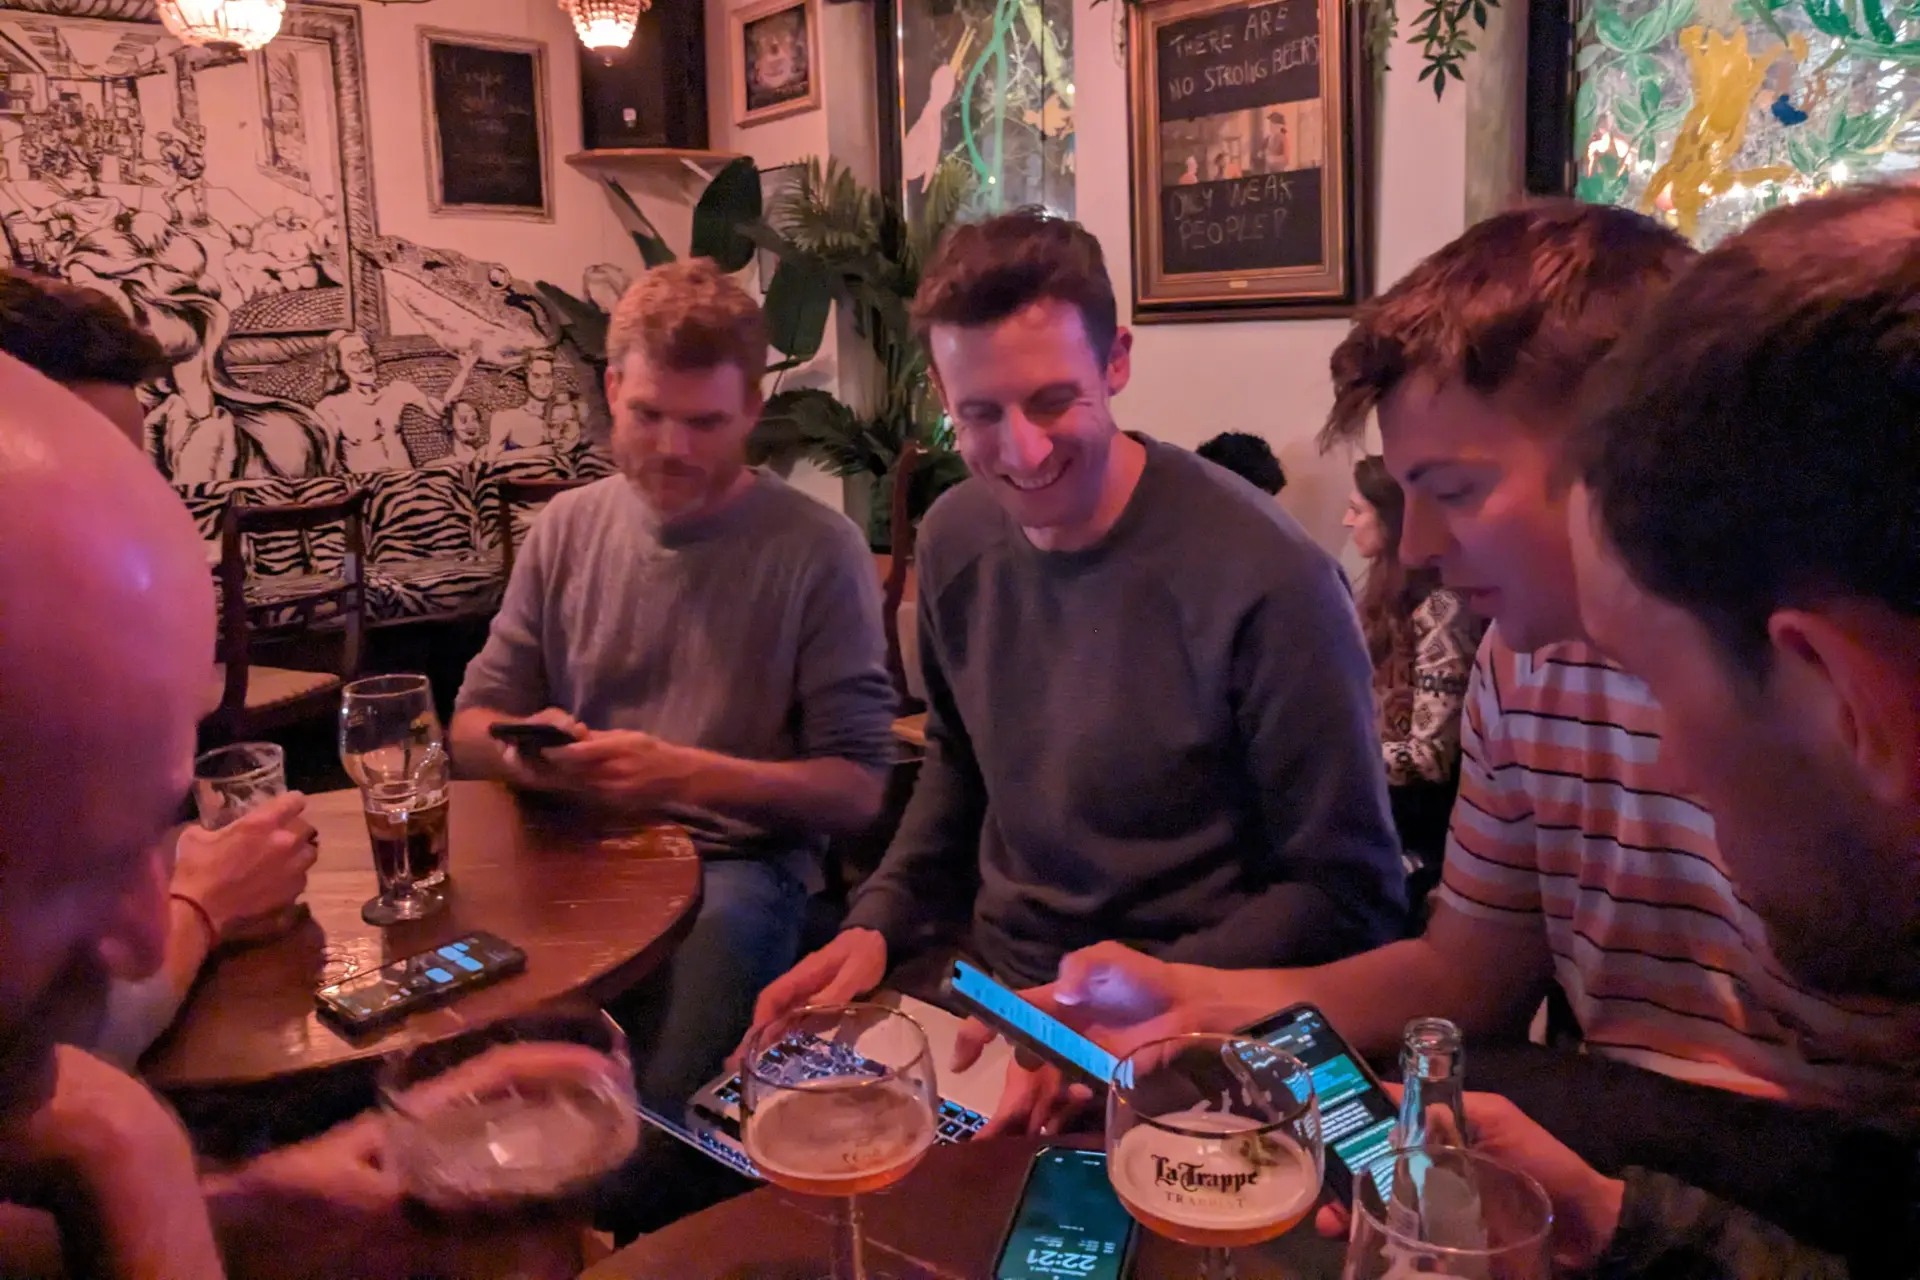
391,992
532,739
1068,1221
1356,1115
1027,1026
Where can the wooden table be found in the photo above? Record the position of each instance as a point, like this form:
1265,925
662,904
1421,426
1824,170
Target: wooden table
595,912
943,1222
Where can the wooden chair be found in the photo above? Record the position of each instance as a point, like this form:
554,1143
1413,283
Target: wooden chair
520,493
256,699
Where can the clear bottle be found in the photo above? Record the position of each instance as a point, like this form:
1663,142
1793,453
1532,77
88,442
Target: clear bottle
1433,1065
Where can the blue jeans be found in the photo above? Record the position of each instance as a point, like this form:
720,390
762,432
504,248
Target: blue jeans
689,1014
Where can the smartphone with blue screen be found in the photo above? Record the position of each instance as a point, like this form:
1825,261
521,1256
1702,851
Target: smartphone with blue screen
1068,1223
1356,1115
1028,1026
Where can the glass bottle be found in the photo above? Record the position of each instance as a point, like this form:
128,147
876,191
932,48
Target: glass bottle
1433,1067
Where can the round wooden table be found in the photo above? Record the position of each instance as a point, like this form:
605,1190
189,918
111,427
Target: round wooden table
595,913
944,1221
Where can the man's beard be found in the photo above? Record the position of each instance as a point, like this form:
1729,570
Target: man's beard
1857,936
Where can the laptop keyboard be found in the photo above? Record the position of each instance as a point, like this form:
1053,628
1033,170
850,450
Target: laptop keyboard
802,1057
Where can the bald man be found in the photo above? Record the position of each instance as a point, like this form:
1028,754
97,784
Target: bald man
106,635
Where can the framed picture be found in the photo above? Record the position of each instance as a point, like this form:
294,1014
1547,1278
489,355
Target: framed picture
1248,159
775,56
487,149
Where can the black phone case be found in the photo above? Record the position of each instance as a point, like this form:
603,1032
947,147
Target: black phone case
1020,1202
1339,1177
355,1023
533,738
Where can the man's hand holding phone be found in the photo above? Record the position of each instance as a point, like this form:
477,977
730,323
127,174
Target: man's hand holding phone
523,744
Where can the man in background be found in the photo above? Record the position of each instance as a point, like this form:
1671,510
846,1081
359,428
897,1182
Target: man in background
1247,456
712,638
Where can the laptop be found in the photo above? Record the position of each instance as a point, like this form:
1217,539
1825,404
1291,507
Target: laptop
711,1124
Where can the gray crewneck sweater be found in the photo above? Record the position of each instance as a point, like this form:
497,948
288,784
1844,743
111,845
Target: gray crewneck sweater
1166,739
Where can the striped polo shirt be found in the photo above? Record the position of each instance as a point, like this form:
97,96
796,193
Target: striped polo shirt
1566,811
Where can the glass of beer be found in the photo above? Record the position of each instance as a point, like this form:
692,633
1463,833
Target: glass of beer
228,784
839,1101
528,1113
1448,1211
1214,1141
392,745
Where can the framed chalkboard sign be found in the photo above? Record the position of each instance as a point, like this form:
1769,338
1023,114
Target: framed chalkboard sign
1248,162
486,125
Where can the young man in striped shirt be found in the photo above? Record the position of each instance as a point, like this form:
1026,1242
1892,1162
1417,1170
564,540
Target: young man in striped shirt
1576,854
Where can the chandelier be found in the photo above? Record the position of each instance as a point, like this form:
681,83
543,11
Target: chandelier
232,24
605,25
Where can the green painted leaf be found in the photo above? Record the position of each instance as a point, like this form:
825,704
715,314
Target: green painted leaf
1612,28
1630,118
730,200
1802,158
1664,121
1649,97
1640,67
1588,56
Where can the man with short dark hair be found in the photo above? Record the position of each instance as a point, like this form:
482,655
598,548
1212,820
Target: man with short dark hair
712,639
1247,456
1748,543
1129,735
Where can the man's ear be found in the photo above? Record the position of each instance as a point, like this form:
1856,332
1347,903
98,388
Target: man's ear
612,383
1851,677
1120,361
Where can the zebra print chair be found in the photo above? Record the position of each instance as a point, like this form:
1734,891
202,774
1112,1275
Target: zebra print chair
257,699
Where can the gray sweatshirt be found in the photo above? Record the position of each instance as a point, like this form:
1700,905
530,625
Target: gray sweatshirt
1166,739
754,633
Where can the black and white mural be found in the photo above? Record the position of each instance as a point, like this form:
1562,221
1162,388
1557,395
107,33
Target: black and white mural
226,200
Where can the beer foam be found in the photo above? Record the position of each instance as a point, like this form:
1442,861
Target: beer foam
1240,1181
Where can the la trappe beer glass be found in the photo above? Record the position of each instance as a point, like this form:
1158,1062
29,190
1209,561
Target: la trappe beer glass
1214,1141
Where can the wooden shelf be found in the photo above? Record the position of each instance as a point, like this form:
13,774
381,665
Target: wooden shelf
703,164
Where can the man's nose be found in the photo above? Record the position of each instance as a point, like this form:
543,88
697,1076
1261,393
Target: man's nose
1025,444
670,438
1423,532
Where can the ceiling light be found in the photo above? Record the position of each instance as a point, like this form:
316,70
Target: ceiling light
232,24
606,25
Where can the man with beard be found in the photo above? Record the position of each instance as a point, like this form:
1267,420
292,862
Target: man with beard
1131,735
712,639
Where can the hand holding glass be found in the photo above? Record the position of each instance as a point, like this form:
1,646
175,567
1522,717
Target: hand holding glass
228,784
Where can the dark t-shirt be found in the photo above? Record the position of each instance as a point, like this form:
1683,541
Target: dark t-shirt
1167,738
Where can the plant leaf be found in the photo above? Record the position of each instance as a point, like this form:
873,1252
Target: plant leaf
731,200
799,299
654,251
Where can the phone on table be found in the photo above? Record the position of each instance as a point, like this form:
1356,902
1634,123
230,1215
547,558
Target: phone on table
391,992
1068,1221
1356,1115
1028,1026
531,740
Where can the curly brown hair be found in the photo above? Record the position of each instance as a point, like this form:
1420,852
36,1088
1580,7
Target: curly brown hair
690,316
986,271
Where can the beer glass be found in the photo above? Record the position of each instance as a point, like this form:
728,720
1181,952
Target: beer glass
1448,1211
534,1111
229,783
1214,1141
839,1100
392,745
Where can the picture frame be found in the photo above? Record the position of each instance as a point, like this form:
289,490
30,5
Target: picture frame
773,55
1249,159
488,151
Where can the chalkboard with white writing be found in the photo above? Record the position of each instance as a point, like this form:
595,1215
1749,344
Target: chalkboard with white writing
1238,59
489,128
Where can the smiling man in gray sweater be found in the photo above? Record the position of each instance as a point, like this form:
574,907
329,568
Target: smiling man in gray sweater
1150,713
